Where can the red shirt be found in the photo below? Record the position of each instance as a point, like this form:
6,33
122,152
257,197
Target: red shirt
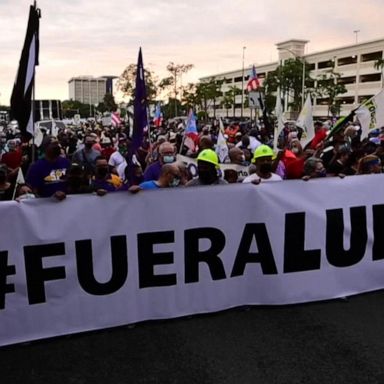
12,159
320,135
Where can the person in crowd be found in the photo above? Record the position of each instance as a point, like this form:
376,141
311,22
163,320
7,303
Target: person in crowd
6,189
320,135
118,157
166,155
340,161
106,147
77,181
207,167
231,176
237,156
369,164
103,178
47,176
263,160
170,177
86,156
12,159
314,168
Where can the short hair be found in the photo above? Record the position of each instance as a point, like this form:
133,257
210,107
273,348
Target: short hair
310,165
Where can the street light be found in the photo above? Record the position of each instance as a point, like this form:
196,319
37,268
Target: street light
242,86
303,77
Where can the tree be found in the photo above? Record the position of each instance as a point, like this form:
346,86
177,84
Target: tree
230,98
73,107
127,82
176,71
109,102
329,87
379,64
288,77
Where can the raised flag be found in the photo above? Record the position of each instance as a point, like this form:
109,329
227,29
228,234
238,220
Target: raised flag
140,119
115,119
253,82
21,99
371,114
191,136
279,125
305,121
221,146
158,119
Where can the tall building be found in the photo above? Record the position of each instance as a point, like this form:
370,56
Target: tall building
354,63
90,90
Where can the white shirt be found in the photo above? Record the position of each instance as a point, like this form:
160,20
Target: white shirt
254,177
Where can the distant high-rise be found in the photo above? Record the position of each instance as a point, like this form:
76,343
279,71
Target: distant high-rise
90,90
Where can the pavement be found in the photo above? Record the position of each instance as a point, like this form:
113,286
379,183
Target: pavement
326,342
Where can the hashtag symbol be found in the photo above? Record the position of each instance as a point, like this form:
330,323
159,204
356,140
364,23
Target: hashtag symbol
5,270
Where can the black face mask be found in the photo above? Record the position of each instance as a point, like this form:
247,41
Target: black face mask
266,168
101,172
56,151
88,145
208,177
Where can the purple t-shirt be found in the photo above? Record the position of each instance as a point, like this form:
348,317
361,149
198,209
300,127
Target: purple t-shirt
48,177
153,171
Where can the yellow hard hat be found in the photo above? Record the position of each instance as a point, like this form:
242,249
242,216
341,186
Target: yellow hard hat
262,151
208,156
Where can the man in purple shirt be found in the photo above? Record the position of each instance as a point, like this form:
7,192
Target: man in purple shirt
166,156
47,176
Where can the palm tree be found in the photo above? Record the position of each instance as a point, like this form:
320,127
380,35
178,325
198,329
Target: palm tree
379,64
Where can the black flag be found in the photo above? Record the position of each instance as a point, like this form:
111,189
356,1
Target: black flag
140,121
21,99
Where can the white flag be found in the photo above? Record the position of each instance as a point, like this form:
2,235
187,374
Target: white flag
20,177
279,126
305,121
371,114
221,146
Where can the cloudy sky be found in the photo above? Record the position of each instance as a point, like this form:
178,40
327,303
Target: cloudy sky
99,37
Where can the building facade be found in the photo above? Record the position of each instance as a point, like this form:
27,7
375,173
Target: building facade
354,63
90,90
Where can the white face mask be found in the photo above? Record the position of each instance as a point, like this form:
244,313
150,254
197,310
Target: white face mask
295,150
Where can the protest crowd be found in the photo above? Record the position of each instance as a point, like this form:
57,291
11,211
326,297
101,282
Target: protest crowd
91,158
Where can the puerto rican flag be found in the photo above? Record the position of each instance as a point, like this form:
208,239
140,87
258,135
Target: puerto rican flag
191,135
116,120
253,83
158,119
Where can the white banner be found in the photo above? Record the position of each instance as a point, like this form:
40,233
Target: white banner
191,164
92,262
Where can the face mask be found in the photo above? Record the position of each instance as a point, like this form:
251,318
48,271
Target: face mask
322,173
56,151
266,168
175,182
102,172
168,159
208,177
295,150
88,145
122,149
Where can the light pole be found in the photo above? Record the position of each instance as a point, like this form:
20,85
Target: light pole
356,31
303,75
242,85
